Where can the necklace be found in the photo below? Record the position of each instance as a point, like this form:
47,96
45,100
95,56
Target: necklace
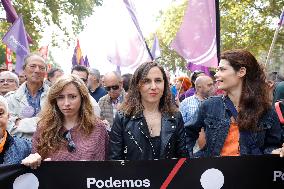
151,130
153,121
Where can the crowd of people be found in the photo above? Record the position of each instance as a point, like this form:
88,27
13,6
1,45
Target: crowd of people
49,115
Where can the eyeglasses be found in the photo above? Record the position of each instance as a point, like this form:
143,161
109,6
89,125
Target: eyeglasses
71,147
114,87
33,67
10,81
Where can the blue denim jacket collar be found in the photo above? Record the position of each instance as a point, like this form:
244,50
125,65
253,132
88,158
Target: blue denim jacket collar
215,117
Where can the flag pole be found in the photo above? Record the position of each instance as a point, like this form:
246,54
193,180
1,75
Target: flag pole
274,39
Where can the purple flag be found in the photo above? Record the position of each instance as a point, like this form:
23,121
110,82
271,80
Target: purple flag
86,62
16,40
156,51
11,14
193,67
118,70
281,21
82,62
131,10
125,45
74,57
196,38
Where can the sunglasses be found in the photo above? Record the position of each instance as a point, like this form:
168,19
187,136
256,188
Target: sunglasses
115,87
71,147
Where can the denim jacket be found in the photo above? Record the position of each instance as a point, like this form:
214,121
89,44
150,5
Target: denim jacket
214,116
16,150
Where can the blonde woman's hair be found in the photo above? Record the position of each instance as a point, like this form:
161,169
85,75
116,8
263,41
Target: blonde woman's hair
51,118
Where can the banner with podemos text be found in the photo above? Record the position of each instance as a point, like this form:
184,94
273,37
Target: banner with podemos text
228,172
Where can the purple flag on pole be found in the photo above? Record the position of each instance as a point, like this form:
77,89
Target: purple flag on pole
16,40
131,10
86,62
196,38
118,70
130,7
156,51
11,14
125,45
82,61
74,57
281,21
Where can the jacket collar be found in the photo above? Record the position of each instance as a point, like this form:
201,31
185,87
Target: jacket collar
121,97
168,127
20,92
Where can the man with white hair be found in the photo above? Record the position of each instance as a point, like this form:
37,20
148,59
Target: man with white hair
95,89
8,82
26,102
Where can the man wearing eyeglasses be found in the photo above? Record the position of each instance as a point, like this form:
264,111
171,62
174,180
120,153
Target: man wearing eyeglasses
83,73
115,95
8,82
26,102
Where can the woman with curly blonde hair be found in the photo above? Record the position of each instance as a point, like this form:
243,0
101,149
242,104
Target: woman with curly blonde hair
68,129
148,126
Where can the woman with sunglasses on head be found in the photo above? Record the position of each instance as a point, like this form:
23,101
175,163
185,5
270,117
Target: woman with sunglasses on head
68,129
148,126
242,122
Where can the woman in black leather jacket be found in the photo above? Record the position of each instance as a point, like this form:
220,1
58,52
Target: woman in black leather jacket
148,126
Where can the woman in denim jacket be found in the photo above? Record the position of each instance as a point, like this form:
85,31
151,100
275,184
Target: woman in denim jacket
12,149
242,122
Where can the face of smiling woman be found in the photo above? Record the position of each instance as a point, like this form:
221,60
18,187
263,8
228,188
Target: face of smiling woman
226,77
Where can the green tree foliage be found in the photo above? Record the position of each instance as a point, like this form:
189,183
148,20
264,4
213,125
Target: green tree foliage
248,24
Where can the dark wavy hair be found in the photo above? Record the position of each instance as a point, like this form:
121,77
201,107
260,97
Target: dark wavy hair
254,100
133,104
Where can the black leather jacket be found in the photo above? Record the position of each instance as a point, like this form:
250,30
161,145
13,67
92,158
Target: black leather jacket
129,138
